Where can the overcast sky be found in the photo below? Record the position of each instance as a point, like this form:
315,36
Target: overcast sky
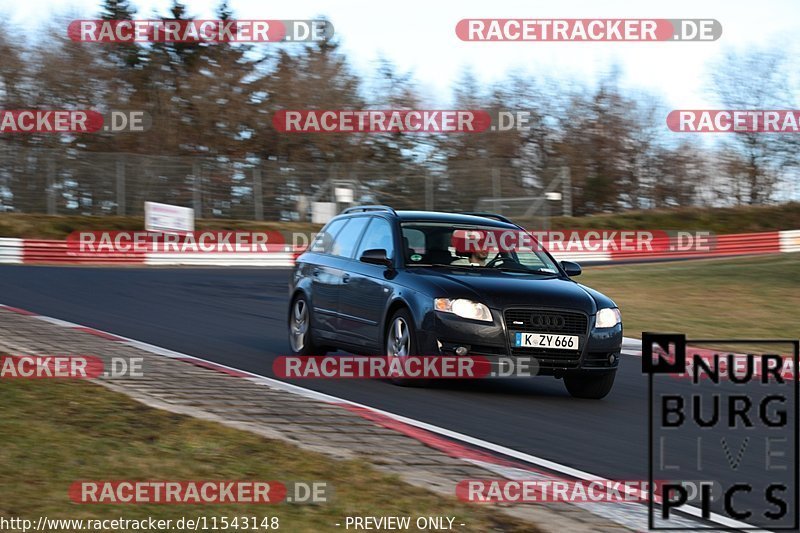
419,36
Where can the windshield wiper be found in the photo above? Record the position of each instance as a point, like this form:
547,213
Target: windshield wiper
525,270
438,265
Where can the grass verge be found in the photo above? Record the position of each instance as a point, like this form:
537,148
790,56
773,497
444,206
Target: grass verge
755,297
54,432
719,220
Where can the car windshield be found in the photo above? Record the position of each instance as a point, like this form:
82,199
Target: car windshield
474,246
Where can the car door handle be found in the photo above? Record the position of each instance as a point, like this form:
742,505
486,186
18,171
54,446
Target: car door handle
346,278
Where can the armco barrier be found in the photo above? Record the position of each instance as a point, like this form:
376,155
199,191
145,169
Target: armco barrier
790,241
718,246
271,259
11,251
34,251
585,257
57,252
30,251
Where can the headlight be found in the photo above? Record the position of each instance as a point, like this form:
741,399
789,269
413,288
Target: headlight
608,317
463,308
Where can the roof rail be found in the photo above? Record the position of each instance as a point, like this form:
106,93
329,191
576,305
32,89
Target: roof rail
365,208
495,216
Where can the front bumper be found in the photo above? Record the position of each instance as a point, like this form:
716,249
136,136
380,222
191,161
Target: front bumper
599,349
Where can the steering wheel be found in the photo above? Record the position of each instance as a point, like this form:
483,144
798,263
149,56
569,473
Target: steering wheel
496,259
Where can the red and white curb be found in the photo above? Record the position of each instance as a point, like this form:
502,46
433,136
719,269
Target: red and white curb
49,252
504,461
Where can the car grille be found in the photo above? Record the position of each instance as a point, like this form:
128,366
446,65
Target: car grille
544,321
548,321
550,358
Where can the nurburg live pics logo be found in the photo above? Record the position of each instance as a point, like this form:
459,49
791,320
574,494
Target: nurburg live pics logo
729,432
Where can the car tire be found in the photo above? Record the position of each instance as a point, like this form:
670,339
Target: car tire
589,385
301,335
390,344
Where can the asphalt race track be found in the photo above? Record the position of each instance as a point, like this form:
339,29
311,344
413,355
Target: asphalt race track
237,317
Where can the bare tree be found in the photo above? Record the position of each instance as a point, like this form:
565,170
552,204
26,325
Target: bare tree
754,79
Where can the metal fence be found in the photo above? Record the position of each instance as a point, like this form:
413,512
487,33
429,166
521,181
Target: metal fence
90,183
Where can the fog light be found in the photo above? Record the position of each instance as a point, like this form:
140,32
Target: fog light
461,350
611,359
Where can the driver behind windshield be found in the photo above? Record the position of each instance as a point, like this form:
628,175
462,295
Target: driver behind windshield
476,258
474,242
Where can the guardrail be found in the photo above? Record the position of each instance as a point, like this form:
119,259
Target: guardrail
37,251
10,250
52,252
270,259
790,241
718,246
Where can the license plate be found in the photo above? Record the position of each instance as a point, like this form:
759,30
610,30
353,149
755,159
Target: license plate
545,340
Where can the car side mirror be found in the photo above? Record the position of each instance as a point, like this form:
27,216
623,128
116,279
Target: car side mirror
376,256
571,268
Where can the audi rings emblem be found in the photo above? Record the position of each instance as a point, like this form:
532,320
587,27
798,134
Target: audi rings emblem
547,321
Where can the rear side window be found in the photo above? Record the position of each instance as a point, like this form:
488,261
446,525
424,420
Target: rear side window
344,244
323,243
378,236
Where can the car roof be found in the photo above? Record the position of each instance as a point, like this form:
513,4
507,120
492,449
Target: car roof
432,216
450,218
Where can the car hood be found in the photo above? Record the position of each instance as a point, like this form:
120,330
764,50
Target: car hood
499,289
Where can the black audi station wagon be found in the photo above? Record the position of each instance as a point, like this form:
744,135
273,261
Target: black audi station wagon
397,283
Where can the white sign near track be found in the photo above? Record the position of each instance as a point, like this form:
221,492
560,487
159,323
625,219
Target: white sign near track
168,218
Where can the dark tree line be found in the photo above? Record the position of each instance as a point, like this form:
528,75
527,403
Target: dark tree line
212,106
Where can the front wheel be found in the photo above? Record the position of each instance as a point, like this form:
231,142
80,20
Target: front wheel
301,338
401,342
590,385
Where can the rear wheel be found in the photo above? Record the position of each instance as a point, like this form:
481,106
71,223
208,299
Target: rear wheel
401,342
301,337
590,385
